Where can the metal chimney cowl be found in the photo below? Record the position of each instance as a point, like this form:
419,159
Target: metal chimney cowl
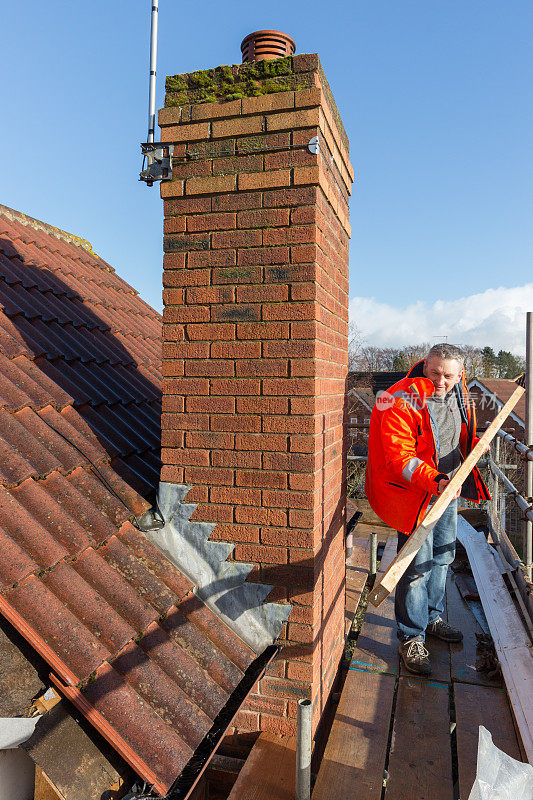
263,45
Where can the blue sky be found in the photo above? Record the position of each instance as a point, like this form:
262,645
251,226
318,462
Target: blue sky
435,97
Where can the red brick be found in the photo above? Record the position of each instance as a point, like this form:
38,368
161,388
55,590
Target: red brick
172,438
261,368
268,102
241,238
260,553
237,386
293,119
303,444
282,726
293,235
187,205
261,478
288,424
250,459
290,273
300,196
236,533
289,158
186,277
247,721
306,62
185,350
184,314
173,333
263,255
269,705
279,499
243,423
237,496
260,516
290,311
237,202
173,402
211,258
237,127
173,369
211,222
309,174
303,215
209,368
248,181
238,163
173,188
210,332
190,422
210,440
235,349
289,349
185,133
237,275
262,405
229,108
210,185
211,294
174,260
172,296
213,476
262,218
262,331
212,513
288,386
256,441
289,537
303,253
303,483
186,169
188,386
198,458
217,405
260,294
174,224
171,473
304,330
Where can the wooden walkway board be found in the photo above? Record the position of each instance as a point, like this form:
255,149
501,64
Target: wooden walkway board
420,762
463,656
377,644
475,706
354,759
356,574
269,771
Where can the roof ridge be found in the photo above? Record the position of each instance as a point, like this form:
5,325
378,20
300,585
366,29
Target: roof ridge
38,224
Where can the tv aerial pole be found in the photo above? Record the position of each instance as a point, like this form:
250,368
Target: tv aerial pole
156,155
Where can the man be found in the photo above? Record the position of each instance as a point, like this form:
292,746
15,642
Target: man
420,432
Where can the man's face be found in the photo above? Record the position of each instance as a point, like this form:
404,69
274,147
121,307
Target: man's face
443,372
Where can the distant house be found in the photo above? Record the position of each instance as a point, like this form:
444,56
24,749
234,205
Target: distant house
361,393
489,395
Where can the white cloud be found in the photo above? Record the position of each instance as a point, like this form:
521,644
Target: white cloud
495,317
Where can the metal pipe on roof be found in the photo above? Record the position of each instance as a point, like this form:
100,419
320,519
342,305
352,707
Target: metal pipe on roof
303,750
528,548
153,70
522,448
519,500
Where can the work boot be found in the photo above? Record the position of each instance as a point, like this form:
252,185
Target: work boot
443,631
415,656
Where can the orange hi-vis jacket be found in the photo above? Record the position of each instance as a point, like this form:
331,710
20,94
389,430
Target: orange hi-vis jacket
401,472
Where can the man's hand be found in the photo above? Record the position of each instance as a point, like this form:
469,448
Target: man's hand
443,483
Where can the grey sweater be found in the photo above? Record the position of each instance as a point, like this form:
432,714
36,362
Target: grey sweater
447,417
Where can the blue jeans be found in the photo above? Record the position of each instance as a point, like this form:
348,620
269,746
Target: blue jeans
420,591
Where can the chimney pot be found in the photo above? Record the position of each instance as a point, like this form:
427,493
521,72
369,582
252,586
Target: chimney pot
263,45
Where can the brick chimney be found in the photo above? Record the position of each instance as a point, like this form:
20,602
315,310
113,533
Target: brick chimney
255,346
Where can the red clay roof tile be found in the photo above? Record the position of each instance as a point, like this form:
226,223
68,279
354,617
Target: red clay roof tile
80,398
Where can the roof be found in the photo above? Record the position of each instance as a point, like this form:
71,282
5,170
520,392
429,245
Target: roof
502,389
128,641
377,381
365,395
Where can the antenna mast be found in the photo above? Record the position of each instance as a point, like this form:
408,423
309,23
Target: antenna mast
156,161
153,71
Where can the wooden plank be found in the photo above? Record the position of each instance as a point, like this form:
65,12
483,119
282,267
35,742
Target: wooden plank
356,574
463,654
44,788
475,706
377,643
354,759
387,583
269,771
510,637
420,761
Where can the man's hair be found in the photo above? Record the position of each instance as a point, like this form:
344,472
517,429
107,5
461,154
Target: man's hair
445,350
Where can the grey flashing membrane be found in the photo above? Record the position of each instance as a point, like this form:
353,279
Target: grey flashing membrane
219,583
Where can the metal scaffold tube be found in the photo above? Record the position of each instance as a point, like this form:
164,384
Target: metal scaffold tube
522,448
303,750
519,500
528,549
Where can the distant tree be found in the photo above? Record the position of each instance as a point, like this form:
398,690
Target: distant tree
488,363
509,365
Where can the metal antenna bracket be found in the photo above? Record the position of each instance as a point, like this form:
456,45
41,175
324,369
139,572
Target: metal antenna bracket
157,158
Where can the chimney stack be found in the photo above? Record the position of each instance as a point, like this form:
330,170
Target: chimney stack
255,343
